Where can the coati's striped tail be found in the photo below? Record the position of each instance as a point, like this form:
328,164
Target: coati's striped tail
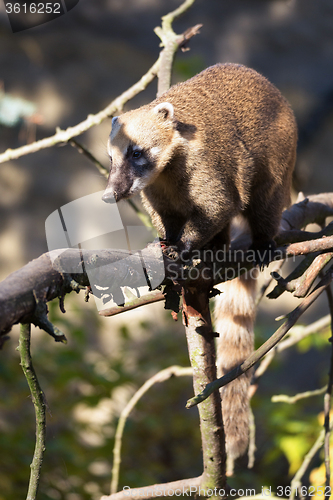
234,319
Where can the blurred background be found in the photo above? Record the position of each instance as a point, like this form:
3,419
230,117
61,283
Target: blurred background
56,74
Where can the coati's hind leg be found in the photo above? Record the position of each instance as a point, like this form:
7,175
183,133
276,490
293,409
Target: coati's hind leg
221,240
264,216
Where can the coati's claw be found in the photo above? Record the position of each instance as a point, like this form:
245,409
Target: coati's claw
263,253
171,252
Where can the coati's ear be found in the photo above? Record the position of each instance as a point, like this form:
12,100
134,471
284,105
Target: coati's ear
164,110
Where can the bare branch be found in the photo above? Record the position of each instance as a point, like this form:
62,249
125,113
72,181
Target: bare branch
42,280
304,284
149,298
81,149
294,337
63,136
171,42
283,398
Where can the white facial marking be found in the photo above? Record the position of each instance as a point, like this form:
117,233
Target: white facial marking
138,184
155,151
109,147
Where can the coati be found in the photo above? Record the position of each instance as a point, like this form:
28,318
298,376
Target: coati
220,144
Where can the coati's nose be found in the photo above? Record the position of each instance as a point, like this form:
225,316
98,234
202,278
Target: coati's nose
109,196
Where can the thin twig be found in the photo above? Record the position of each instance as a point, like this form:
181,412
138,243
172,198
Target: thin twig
39,404
288,283
264,348
283,398
63,136
104,171
162,376
149,298
252,440
295,335
83,150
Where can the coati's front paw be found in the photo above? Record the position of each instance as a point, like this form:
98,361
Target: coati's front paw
263,253
170,251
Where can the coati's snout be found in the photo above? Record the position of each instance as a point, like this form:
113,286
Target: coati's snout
119,185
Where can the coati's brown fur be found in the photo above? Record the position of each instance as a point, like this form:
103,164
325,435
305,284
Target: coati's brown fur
220,144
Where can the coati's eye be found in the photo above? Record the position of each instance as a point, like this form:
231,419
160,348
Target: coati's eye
136,154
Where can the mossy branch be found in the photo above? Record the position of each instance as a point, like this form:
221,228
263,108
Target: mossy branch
201,347
40,407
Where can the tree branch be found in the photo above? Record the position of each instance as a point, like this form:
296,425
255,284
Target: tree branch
43,280
149,298
201,347
63,136
294,338
171,43
283,398
266,346
39,404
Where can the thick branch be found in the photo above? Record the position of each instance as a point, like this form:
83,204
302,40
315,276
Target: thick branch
201,347
42,280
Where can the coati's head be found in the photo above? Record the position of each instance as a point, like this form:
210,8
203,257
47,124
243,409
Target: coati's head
141,144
